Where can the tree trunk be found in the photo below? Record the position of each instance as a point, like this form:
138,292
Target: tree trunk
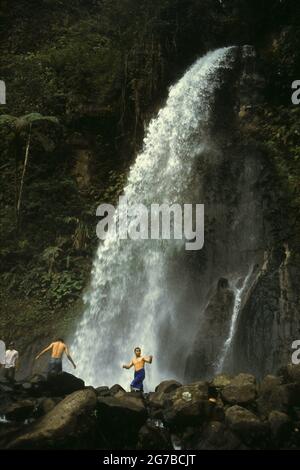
23,177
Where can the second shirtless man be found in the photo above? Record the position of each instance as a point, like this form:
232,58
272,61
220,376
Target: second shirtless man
58,348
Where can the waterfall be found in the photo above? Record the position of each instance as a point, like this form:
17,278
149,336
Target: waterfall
131,300
238,291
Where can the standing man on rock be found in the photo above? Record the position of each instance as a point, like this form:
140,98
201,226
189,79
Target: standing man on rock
139,369
11,362
58,348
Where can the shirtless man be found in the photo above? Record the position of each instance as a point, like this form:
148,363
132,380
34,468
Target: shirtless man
139,371
58,349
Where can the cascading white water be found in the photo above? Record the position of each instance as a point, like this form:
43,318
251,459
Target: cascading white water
130,299
238,292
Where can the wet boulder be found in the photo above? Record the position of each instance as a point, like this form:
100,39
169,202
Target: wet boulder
27,386
216,436
5,387
268,383
240,391
103,391
217,411
280,427
275,395
156,400
188,405
167,386
246,425
63,384
120,418
37,378
46,405
38,385
290,373
70,424
20,410
5,401
221,380
152,436
117,391
155,404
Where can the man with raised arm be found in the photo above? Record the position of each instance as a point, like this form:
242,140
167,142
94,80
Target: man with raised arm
58,348
138,362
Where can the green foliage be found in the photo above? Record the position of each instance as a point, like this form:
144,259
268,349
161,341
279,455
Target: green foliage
62,287
18,124
50,255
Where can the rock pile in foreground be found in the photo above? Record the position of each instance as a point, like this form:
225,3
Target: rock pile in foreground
225,413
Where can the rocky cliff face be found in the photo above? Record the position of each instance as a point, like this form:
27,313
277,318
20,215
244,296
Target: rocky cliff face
268,320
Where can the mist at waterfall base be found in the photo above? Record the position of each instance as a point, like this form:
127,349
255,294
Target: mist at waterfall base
136,297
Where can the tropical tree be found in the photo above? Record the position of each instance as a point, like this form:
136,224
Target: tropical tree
19,126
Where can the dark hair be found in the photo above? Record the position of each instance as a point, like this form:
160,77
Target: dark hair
137,347
60,339
11,343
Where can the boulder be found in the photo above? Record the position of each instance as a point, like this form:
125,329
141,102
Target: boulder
6,388
46,405
217,412
293,373
221,380
280,426
155,404
5,400
216,436
38,385
103,392
20,410
268,384
27,386
157,399
241,390
197,390
64,384
189,436
249,428
167,386
273,395
37,378
188,405
153,437
70,424
120,419
290,373
117,390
